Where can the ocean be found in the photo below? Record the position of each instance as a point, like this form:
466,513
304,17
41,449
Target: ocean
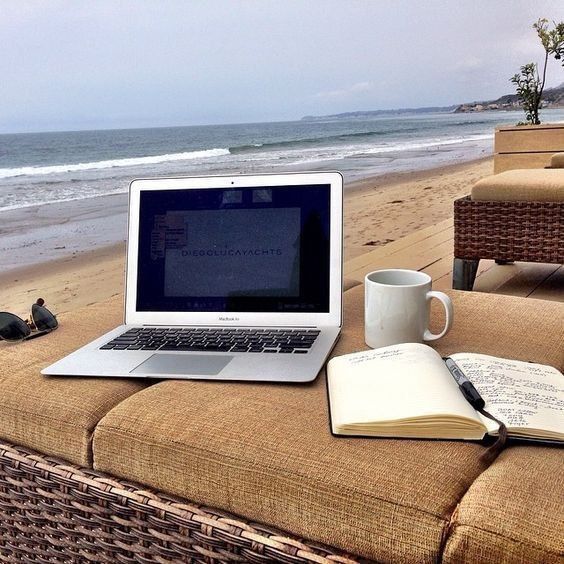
38,168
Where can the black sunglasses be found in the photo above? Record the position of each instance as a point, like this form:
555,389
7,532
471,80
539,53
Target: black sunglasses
41,322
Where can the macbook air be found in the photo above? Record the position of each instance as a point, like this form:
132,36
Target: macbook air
227,278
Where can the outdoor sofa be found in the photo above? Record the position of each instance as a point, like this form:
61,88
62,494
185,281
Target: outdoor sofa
116,470
516,215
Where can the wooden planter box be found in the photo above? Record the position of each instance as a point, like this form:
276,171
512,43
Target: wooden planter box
526,146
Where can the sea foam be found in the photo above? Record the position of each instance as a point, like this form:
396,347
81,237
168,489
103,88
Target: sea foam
133,161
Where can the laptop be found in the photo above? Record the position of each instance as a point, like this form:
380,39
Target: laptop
227,278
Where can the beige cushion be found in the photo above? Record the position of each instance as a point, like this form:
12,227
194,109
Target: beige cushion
513,512
57,416
521,185
520,328
557,160
265,451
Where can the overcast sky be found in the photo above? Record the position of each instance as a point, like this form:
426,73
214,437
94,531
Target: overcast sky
73,64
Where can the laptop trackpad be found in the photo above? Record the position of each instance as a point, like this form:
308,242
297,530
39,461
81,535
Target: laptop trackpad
183,364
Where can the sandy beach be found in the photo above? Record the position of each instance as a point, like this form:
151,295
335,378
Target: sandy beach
72,254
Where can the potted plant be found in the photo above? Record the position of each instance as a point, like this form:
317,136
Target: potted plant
530,144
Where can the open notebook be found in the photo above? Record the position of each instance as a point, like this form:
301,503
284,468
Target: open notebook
407,391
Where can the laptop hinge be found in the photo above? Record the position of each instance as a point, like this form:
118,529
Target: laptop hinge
228,326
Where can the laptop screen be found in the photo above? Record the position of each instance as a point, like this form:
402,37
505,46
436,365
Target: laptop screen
259,249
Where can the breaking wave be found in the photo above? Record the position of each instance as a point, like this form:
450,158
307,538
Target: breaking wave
132,161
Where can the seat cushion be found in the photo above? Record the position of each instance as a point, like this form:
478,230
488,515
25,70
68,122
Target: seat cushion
530,185
53,415
513,512
265,451
506,326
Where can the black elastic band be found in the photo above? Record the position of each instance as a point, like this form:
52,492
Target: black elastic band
492,452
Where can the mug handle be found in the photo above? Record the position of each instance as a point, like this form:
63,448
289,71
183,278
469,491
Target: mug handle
447,303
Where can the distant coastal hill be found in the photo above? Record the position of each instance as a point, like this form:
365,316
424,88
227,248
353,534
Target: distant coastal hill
551,98
375,113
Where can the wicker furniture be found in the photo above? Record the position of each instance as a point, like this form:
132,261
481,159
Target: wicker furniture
516,215
51,511
263,457
505,232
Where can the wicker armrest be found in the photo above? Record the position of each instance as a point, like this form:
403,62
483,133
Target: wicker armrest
509,231
51,511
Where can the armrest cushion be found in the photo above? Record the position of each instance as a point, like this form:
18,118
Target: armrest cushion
531,185
557,160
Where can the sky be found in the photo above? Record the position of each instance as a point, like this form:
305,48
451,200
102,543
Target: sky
78,64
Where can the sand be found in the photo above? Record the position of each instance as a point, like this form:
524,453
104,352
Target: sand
382,209
73,254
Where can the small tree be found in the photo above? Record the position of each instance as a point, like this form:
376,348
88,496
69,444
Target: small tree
529,84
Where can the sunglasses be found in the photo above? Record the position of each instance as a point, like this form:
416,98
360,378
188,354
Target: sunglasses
14,328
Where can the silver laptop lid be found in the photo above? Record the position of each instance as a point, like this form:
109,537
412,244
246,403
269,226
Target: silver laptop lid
235,250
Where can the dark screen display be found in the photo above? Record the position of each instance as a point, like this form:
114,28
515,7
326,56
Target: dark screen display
235,250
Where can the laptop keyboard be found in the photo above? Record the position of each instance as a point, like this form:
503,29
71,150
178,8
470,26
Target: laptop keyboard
296,341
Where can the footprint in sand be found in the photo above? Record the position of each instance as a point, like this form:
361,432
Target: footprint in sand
377,243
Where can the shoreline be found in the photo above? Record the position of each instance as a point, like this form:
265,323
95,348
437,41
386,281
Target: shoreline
82,244
61,230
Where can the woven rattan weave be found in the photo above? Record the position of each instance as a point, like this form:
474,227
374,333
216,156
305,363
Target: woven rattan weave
54,512
505,232
509,231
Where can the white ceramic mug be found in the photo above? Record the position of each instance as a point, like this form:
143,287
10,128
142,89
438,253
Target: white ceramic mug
397,305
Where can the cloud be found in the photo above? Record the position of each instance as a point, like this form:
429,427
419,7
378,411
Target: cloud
344,93
469,63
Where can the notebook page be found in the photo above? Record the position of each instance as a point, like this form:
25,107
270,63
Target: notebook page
395,382
521,394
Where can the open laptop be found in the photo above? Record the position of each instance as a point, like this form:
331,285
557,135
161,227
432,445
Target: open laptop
227,278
